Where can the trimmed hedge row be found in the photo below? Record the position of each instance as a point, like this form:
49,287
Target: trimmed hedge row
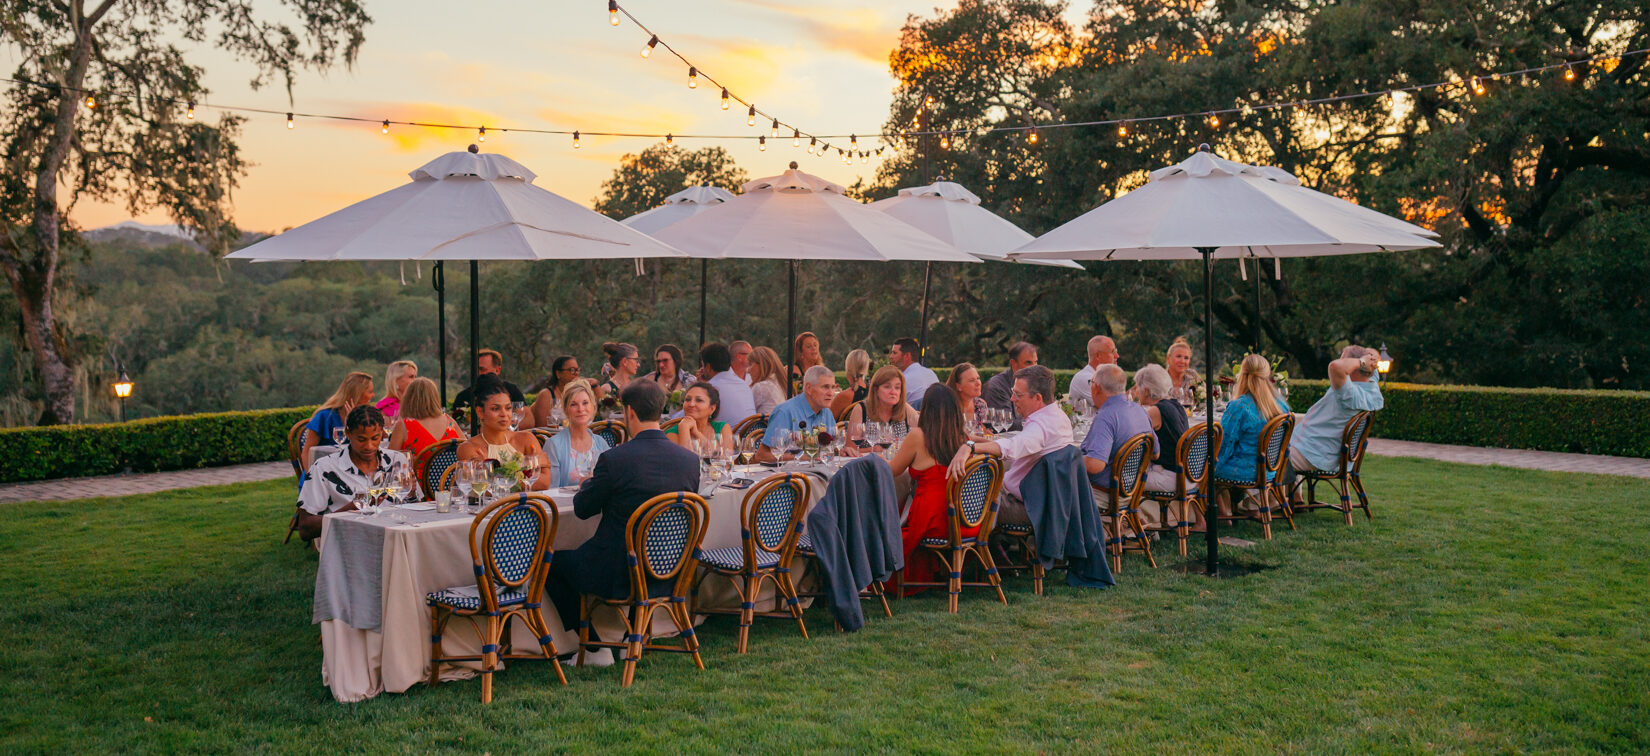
150,445
1586,422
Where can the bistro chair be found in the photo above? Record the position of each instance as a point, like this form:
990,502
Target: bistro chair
667,425
873,592
1120,507
432,465
757,424
295,448
662,541
614,432
544,435
771,522
971,503
1194,454
510,557
1343,477
1269,494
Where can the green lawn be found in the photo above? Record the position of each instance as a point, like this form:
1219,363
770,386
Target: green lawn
1484,609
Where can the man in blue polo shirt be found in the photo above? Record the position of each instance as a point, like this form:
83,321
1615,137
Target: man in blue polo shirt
806,411
1116,420
1316,443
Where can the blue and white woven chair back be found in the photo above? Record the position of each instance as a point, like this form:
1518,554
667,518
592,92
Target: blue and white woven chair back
774,510
606,431
1356,429
1194,459
665,532
974,495
1276,439
1130,464
444,456
511,540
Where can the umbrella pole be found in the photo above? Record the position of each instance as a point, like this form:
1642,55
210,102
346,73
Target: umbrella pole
1257,307
475,342
439,281
704,275
790,326
927,277
1211,508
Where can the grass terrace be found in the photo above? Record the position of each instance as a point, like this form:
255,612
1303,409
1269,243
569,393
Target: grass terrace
1484,609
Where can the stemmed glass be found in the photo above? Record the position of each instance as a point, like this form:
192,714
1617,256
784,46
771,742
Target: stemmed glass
363,502
557,417
793,443
481,480
338,436
402,485
463,478
583,463
518,412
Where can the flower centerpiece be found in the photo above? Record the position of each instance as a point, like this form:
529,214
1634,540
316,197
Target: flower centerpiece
510,467
1280,376
674,402
611,406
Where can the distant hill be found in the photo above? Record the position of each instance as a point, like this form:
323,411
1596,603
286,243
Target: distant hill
134,235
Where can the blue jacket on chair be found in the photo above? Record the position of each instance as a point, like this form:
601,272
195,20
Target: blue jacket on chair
1065,520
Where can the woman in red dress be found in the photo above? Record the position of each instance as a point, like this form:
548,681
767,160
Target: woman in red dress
422,422
924,453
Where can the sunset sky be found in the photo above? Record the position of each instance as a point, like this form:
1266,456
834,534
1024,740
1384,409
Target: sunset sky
821,64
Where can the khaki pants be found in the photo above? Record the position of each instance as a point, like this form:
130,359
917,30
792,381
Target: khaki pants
1011,510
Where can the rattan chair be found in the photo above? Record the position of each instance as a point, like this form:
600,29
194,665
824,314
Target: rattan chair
510,559
432,465
1268,493
771,522
873,592
543,435
295,448
1195,456
662,540
757,424
669,424
1343,477
971,503
614,432
1120,507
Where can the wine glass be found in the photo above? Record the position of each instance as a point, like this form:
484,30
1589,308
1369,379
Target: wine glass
793,443
557,417
362,501
518,413
338,436
481,482
404,485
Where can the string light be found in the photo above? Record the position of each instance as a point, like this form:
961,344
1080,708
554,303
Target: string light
1214,120
652,43
864,158
724,98
1032,135
944,143
481,134
289,121
1569,72
1477,86
693,78
575,140
385,129
751,119
1123,130
670,139
190,113
91,101
796,138
612,12
762,143
774,132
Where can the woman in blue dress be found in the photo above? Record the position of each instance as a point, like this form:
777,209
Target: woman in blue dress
578,402
1257,403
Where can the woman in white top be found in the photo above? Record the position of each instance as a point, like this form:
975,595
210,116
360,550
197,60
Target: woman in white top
767,379
496,440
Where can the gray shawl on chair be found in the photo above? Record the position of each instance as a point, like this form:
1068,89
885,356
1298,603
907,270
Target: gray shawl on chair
855,532
1065,520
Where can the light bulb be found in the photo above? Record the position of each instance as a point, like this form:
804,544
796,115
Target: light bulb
575,140
1032,137
1569,72
724,98
91,101
693,78
385,129
190,114
796,138
289,120
1477,86
853,141
652,43
1214,121
762,143
774,132
1123,129
670,139
945,144
481,134
612,12
863,158
751,119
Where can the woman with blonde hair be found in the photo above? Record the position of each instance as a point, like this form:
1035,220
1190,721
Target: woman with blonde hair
1178,361
354,391
885,403
767,379
578,401
858,368
1256,403
423,424
396,377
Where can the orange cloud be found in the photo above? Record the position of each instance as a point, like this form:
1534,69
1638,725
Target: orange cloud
407,139
860,32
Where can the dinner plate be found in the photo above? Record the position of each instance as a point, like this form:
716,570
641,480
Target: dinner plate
419,507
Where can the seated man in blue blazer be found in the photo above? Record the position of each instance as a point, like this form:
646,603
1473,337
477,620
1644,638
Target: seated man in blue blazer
627,475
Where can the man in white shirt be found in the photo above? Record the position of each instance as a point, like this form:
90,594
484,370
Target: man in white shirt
741,351
906,354
1046,429
735,393
1102,351
336,478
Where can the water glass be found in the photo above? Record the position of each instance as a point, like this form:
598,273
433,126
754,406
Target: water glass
443,501
362,502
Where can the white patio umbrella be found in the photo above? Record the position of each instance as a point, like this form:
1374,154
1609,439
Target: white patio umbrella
1210,208
461,206
676,208
952,214
799,216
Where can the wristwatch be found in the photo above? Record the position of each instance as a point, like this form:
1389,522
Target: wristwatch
971,446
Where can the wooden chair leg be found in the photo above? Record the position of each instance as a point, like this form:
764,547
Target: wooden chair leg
684,622
633,644
436,626
547,643
783,582
489,659
1145,542
954,582
291,527
747,613
1182,530
881,592
983,551
1363,501
1281,498
584,629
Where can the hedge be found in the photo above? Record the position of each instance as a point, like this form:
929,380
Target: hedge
1562,420
150,445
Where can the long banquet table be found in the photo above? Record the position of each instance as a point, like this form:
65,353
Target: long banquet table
375,571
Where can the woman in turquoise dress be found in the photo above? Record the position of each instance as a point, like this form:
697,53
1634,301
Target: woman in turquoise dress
1257,403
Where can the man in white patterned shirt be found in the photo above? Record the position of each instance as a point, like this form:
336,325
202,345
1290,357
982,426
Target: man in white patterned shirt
361,465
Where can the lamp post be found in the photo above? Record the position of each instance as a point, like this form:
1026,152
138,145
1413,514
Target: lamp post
123,389
1384,362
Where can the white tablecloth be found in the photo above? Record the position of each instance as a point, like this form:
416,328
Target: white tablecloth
358,664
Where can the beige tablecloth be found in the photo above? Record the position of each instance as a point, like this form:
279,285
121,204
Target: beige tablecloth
358,664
